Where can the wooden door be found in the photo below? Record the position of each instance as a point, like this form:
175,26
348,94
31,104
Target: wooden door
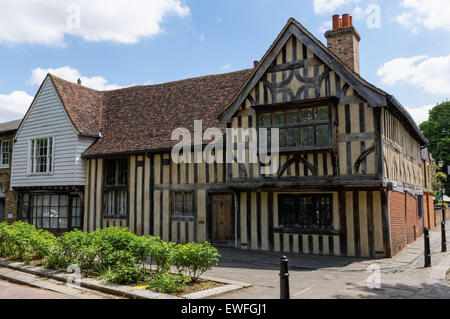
222,219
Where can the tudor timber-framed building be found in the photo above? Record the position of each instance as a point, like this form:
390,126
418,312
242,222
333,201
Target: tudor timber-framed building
354,168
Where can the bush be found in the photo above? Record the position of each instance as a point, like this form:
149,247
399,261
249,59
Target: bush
165,282
106,242
194,259
162,254
115,254
125,271
21,241
142,248
73,248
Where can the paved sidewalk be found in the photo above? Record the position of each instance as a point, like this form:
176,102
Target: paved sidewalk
339,277
44,284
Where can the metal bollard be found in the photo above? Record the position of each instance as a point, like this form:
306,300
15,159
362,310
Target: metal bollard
284,278
444,237
426,236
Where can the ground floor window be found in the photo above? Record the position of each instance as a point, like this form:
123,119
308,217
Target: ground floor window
420,206
306,210
182,205
54,212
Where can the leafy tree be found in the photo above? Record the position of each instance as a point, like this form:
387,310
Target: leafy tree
437,131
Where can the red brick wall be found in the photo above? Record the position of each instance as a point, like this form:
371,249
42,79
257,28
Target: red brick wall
397,212
405,223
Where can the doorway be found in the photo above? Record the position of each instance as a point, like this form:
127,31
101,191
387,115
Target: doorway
222,220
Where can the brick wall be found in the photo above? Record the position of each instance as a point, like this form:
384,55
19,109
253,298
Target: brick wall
406,226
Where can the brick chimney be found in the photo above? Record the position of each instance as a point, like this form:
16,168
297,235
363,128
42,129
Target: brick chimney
343,41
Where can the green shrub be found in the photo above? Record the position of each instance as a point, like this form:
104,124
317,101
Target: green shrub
73,248
161,254
106,242
21,241
165,282
125,271
141,248
194,259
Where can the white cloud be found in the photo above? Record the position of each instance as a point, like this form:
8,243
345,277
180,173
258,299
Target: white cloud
49,22
431,74
433,14
326,26
226,67
420,114
13,106
71,74
330,6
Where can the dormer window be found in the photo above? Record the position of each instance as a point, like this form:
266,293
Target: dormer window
301,128
41,156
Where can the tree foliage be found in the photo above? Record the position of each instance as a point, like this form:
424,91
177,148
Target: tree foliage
437,131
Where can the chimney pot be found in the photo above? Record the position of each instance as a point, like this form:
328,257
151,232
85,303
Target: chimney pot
255,63
336,21
343,40
79,81
345,20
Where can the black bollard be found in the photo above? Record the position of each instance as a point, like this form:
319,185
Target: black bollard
284,278
426,236
444,237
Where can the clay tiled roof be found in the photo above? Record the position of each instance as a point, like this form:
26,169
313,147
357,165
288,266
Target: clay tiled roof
142,118
83,105
9,127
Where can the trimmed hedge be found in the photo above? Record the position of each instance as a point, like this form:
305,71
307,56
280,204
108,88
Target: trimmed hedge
113,254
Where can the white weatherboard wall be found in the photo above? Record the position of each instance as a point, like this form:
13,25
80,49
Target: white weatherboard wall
48,118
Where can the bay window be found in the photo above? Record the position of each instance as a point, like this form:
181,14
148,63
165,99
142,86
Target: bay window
299,127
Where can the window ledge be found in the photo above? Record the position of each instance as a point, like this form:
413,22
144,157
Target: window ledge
182,218
39,174
115,217
305,231
4,166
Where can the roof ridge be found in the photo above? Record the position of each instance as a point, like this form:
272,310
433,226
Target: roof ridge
72,83
176,81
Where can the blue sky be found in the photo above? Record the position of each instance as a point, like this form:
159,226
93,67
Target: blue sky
405,49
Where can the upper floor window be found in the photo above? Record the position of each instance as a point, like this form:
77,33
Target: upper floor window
5,154
41,155
300,128
115,188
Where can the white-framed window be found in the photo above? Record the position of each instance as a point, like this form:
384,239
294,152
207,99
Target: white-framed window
5,153
41,155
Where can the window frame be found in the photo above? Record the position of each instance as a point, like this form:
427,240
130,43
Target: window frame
299,105
32,200
2,142
177,216
116,188
307,229
50,165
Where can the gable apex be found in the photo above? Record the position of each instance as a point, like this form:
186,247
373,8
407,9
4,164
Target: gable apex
374,96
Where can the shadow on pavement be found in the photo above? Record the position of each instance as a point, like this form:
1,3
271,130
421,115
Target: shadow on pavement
238,258
398,291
